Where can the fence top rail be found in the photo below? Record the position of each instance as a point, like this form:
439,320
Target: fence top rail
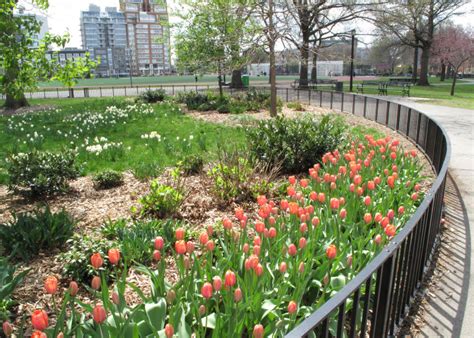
345,293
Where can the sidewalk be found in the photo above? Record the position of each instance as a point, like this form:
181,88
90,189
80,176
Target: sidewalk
459,124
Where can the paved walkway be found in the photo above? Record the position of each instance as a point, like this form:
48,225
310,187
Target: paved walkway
452,313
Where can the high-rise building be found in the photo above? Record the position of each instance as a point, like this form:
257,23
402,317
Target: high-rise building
104,36
147,35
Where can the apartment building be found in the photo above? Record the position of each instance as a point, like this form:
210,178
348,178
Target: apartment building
104,36
43,22
147,35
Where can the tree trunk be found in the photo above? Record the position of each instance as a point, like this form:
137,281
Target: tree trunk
12,102
415,65
443,72
314,69
425,59
453,84
304,66
236,81
219,80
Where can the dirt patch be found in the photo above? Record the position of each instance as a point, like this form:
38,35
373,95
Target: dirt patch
26,110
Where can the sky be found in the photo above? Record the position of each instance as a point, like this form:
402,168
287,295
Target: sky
63,15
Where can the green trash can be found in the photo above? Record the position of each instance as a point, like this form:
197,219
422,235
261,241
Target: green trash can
245,80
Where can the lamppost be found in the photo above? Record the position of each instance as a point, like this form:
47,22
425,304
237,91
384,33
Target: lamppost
352,59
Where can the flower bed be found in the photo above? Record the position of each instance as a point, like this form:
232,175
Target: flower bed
260,275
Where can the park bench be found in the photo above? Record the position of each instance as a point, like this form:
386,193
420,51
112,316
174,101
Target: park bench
314,84
381,86
405,86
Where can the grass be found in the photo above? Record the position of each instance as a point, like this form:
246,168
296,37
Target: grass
144,156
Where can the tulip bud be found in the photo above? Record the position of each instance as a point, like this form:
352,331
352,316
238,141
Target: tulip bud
283,267
98,314
170,296
179,233
301,267
60,335
96,260
115,298
73,288
169,330
95,283
202,310
206,290
378,239
217,283
237,295
292,307
39,320
159,243
51,285
114,256
349,260
258,331
326,280
156,255
7,328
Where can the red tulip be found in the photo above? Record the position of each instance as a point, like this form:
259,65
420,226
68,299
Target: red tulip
179,234
210,245
39,320
38,334
391,214
391,181
315,221
7,328
230,279
259,227
401,210
384,222
414,196
73,288
343,213
378,239
371,185
303,227
159,243
321,197
96,283
156,255
114,256
259,269
272,232
206,290
291,190
169,330
390,230
261,200
292,249
367,200
367,218
302,243
301,267
292,307
331,251
96,260
227,223
283,267
378,217
217,283
417,187
357,179
292,179
189,247
115,298
51,285
203,238
334,203
180,247
239,213
237,295
99,314
258,331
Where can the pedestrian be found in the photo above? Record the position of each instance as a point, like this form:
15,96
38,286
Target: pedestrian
196,78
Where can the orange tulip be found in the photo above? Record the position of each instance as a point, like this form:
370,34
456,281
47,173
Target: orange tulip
258,331
73,288
99,314
180,247
206,290
331,251
114,256
169,330
292,307
51,285
39,320
38,334
96,260
7,328
159,243
230,279
95,283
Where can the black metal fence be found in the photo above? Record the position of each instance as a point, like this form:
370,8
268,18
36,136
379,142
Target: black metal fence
378,298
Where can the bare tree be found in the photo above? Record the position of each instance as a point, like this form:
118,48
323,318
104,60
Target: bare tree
414,23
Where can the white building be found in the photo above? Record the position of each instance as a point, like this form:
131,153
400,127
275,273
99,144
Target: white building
43,21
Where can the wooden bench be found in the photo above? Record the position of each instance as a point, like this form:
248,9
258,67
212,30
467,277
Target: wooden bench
381,86
314,84
405,86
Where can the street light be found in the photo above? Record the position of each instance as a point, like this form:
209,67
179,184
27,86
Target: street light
352,58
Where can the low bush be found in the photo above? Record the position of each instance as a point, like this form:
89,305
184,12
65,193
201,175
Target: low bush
144,171
152,96
76,260
107,179
9,280
42,173
162,201
29,233
295,106
191,164
295,144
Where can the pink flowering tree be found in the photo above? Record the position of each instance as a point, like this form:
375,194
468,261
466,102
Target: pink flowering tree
454,46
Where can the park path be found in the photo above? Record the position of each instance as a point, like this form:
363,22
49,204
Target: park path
450,309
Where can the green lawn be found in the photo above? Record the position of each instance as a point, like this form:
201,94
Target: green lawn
76,123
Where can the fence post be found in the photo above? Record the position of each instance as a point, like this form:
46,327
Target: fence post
137,90
113,92
342,101
44,93
353,104
172,87
388,113
398,117
100,90
408,122
287,95
332,98
365,106
309,96
184,86
320,98
125,90
376,110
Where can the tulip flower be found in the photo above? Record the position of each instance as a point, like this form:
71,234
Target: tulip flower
180,247
301,267
237,295
210,230
292,249
259,227
73,288
39,320
169,330
179,234
159,243
292,307
217,283
38,334
114,256
156,255
378,239
189,247
210,245
227,223
258,331
259,269
7,328
96,260
95,283
51,285
230,279
367,218
203,238
390,230
206,290
98,314
302,243
115,298
283,267
331,251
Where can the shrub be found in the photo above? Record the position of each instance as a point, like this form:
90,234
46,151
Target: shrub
107,179
43,173
295,106
152,96
76,260
162,200
9,280
191,164
144,171
29,233
295,144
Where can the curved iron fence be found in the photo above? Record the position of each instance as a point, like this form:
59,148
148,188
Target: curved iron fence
377,299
